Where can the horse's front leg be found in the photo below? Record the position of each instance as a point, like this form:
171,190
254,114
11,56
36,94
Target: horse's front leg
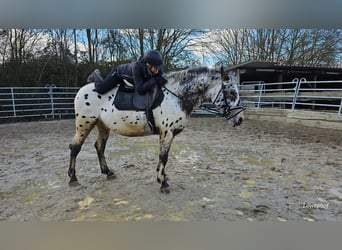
165,141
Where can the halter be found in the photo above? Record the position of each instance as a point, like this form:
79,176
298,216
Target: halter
227,113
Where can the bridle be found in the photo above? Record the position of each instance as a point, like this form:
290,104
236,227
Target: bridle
228,111
210,107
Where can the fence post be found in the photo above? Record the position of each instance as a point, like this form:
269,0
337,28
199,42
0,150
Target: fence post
296,89
261,87
13,103
51,98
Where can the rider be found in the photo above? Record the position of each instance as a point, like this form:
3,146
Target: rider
145,73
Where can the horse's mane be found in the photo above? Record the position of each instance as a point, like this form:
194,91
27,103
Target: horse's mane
183,75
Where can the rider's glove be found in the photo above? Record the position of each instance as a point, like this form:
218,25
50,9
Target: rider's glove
160,80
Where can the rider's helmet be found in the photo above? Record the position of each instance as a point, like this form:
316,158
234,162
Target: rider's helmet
154,58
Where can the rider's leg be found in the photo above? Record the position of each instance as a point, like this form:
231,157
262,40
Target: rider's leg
102,86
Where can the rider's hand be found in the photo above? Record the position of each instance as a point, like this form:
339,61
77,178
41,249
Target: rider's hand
160,80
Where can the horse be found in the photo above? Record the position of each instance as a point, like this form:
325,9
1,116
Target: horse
183,92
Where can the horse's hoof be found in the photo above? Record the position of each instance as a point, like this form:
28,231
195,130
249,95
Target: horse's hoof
111,176
165,179
165,188
74,184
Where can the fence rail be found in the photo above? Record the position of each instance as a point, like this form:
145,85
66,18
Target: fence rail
42,102
57,102
296,95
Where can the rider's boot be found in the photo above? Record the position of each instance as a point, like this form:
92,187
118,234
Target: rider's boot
95,76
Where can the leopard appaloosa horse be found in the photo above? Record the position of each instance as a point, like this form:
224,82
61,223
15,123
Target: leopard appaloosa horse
183,91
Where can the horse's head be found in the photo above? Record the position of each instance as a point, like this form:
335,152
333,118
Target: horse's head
225,96
210,86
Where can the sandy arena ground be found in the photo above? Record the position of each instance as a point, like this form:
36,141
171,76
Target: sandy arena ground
260,171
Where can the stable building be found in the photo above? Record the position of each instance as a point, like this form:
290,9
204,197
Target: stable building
272,72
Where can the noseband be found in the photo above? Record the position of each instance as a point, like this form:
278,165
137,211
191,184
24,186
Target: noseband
228,111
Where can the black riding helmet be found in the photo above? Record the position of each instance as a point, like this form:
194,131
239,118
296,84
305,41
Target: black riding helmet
154,58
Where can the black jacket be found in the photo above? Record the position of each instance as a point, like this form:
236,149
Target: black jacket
138,74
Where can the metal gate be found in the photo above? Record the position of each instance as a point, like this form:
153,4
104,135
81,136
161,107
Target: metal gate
296,95
43,102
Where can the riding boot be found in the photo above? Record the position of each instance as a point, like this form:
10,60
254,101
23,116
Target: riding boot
95,76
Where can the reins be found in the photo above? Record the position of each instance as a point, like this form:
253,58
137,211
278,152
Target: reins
227,112
171,92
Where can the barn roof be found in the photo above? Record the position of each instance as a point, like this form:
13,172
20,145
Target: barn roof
266,70
279,65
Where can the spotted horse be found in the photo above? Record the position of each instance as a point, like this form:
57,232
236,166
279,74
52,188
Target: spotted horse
183,91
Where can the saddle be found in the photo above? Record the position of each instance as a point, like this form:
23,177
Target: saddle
127,98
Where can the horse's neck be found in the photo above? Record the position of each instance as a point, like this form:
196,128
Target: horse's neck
186,89
189,93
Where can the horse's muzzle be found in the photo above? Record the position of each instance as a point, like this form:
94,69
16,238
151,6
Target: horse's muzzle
237,122
235,115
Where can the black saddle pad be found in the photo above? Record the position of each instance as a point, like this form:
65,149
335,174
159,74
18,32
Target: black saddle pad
124,98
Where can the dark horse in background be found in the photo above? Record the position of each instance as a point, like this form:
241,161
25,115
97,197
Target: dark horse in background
182,93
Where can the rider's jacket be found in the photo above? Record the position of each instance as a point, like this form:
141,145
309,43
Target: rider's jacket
138,74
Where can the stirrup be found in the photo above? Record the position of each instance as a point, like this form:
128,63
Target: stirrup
153,128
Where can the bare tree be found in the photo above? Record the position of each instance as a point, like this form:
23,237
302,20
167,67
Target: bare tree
4,41
113,47
228,45
20,49
291,46
133,40
21,44
74,32
90,45
313,46
141,41
175,45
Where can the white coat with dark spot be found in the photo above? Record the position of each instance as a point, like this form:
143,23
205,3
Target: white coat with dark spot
183,91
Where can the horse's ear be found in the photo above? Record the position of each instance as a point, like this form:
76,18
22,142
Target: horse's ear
224,75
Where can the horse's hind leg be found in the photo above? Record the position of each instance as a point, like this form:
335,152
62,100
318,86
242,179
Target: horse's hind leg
82,132
100,145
